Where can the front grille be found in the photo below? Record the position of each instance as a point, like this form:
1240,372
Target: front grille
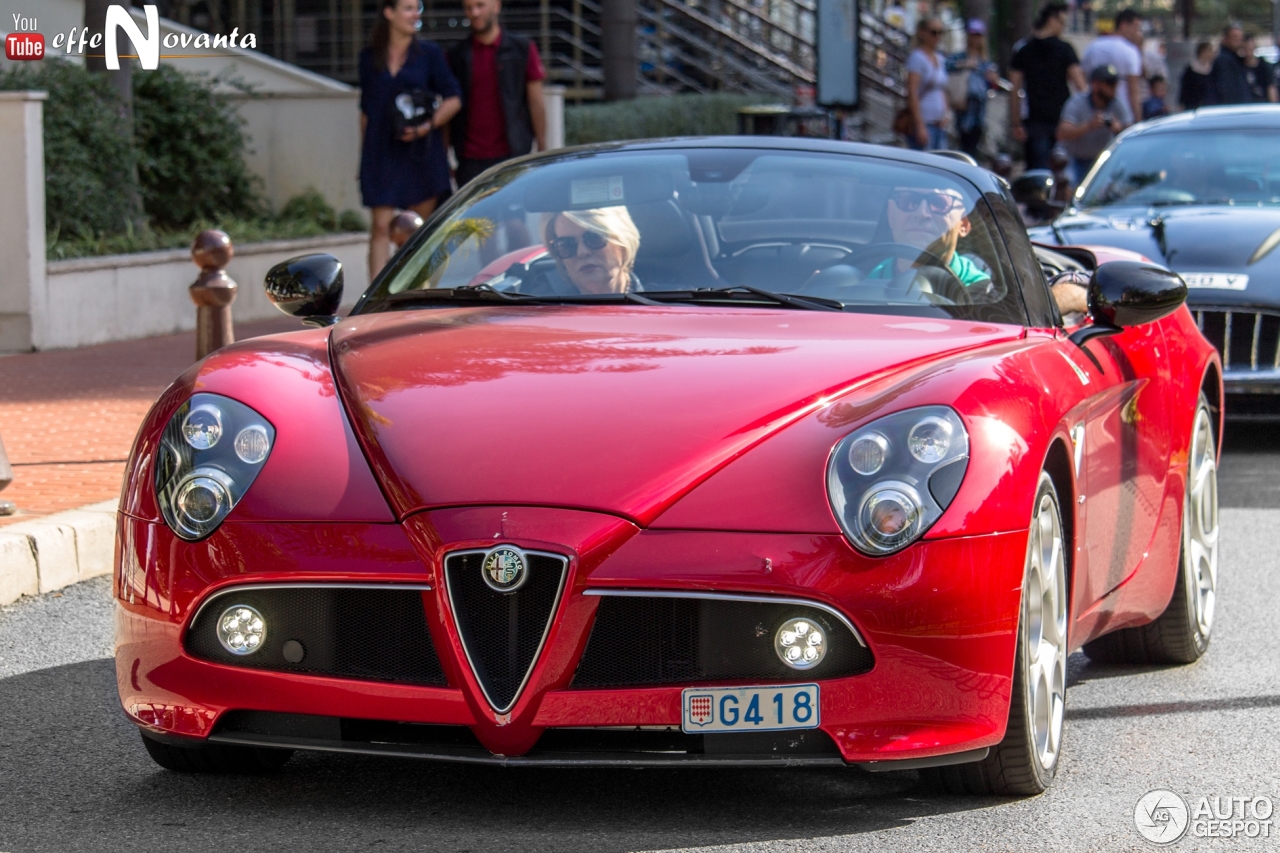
502,632
1247,340
640,640
362,633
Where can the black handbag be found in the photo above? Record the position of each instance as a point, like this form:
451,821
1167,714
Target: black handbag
411,108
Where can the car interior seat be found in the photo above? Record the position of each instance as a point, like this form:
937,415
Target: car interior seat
673,251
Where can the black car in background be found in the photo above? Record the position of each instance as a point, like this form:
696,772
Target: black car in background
1200,193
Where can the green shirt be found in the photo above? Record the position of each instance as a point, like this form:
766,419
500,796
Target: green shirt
966,270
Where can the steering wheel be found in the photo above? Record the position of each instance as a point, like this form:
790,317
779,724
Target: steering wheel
934,272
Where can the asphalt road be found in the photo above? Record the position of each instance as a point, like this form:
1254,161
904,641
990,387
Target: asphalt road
74,777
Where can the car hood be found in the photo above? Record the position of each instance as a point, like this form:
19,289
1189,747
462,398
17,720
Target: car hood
1187,239
615,409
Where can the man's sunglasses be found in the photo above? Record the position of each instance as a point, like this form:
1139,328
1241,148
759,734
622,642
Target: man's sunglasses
935,32
567,247
939,204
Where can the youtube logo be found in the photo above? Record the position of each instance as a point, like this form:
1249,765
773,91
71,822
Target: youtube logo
24,46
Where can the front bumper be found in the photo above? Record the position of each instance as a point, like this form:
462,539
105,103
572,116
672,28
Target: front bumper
939,619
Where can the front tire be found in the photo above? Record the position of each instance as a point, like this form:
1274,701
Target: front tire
1025,762
216,758
1181,634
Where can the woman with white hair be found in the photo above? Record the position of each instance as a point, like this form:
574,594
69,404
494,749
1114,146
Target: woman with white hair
594,249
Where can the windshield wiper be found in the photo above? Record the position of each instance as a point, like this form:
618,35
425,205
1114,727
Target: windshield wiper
743,293
487,293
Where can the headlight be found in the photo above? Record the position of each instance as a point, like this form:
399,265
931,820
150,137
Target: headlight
200,476
891,480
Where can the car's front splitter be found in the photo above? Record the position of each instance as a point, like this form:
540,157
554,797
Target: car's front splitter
939,619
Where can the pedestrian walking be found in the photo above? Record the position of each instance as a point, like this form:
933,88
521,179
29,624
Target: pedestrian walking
1259,72
1090,120
407,94
1043,71
1194,86
1123,50
1228,83
927,89
501,76
980,76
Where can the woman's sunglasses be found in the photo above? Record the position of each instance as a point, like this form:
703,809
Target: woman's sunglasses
567,247
940,204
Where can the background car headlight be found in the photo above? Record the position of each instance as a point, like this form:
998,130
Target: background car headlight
889,481
199,476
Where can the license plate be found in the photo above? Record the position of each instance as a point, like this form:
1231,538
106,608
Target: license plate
750,709
1216,280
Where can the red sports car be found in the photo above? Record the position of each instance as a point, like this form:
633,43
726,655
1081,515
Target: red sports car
593,474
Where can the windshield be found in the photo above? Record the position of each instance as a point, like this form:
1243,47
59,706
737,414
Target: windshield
779,229
1190,167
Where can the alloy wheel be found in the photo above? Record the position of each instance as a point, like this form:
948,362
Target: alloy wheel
1046,621
1200,527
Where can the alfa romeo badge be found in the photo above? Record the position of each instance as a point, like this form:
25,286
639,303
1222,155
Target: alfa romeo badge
504,569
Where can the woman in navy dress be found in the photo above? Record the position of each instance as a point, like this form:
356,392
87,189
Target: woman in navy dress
409,172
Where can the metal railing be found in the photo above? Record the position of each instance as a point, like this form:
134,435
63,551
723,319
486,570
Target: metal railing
765,46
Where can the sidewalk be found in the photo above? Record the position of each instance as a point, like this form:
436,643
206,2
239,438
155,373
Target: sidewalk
68,417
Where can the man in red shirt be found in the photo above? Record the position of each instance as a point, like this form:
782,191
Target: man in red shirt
501,77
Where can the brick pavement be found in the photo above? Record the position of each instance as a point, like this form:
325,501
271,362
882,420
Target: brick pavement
68,417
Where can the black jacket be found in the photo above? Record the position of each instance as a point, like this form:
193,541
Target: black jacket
1227,81
513,59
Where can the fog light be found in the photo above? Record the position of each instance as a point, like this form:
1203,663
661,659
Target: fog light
241,629
800,643
202,427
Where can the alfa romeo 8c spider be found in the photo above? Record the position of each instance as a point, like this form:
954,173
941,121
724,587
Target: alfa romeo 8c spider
593,474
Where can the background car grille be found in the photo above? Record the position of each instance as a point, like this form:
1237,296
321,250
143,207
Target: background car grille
372,634
1247,340
640,641
502,631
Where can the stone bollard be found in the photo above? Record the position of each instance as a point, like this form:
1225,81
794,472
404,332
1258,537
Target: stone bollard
404,226
6,477
213,292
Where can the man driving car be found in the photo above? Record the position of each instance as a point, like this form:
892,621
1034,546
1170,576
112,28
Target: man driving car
931,219
934,219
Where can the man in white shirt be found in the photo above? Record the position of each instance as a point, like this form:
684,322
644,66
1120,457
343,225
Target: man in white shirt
1123,49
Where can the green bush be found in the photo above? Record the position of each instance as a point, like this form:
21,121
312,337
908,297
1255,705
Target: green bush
654,117
88,166
190,145
310,206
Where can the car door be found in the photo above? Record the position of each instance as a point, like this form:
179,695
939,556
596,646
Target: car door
1124,453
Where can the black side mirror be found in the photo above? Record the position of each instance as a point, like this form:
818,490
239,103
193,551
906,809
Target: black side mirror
308,286
1130,293
1034,188
1035,191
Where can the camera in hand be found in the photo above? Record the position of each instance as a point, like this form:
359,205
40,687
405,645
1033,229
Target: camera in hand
411,108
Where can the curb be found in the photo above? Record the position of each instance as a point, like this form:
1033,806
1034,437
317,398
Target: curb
49,553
